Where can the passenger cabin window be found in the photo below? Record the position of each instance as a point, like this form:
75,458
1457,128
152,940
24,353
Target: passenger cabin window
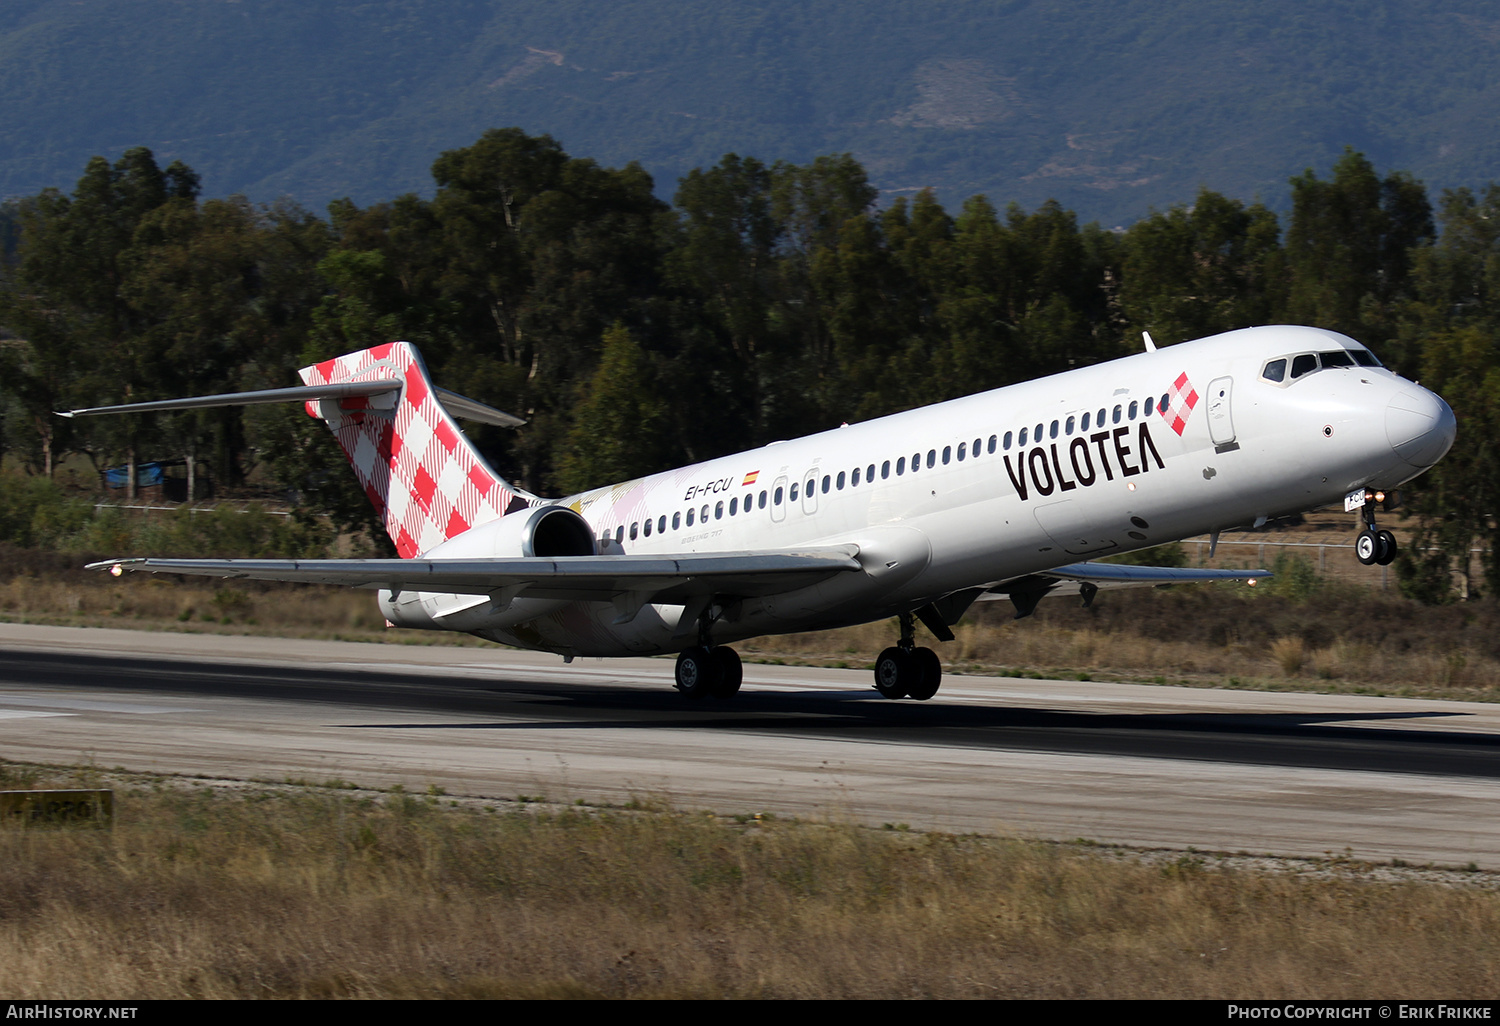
1084,426
1150,402
900,466
885,470
1117,415
1023,438
1068,427
661,525
690,518
962,447
839,483
992,445
932,458
854,477
763,498
827,481
1134,406
794,491
734,506
869,474
1052,432
1006,444
1099,420
976,447
776,498
718,510
620,533
646,527
947,454
634,530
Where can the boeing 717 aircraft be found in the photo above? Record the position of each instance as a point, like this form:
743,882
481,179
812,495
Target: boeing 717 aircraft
1004,494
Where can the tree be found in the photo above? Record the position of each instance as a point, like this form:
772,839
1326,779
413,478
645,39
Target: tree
1349,249
621,423
1195,271
84,341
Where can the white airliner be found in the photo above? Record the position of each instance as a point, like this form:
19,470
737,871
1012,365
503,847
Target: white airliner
1004,494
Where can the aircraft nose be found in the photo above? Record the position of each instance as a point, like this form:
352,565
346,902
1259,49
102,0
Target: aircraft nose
1420,426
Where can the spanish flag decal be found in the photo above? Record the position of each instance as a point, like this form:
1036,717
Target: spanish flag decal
750,478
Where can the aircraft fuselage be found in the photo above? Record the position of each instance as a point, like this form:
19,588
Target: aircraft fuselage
965,494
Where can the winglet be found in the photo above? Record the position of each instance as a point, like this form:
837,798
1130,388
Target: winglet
1150,345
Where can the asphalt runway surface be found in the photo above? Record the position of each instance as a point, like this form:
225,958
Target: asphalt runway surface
1277,773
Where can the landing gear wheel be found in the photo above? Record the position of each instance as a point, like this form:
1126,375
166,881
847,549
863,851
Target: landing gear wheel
927,674
1367,546
1385,548
697,672
892,674
730,672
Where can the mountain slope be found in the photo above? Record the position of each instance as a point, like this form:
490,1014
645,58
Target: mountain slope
1109,107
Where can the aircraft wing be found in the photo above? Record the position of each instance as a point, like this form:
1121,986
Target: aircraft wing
1124,575
1088,578
575,578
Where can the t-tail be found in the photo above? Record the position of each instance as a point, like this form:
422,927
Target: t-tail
423,475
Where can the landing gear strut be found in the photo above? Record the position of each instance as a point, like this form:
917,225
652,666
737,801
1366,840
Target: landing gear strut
905,671
706,668
1374,546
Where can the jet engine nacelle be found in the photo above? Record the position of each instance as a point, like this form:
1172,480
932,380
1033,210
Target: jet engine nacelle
542,533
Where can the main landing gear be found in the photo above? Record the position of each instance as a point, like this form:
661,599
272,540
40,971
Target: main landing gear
905,671
1374,546
704,670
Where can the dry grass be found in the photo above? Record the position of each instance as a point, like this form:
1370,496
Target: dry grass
302,892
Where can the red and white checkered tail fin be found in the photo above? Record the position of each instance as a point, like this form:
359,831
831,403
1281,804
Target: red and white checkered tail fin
422,474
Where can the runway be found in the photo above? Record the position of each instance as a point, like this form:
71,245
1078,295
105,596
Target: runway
1275,773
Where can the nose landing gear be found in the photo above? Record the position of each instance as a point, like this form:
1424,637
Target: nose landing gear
1374,546
905,671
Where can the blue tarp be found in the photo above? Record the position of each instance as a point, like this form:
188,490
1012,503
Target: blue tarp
146,474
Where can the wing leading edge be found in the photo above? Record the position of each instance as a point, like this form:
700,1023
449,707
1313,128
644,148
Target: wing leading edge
1088,578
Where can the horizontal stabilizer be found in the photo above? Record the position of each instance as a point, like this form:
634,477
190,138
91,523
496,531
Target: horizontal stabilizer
456,405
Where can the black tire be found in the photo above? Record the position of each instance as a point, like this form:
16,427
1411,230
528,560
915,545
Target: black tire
1367,547
891,673
697,672
730,672
927,674
1386,548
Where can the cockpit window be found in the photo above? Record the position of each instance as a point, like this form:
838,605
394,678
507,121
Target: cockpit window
1305,363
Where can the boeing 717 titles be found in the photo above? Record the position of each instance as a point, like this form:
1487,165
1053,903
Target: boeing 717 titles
1004,494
